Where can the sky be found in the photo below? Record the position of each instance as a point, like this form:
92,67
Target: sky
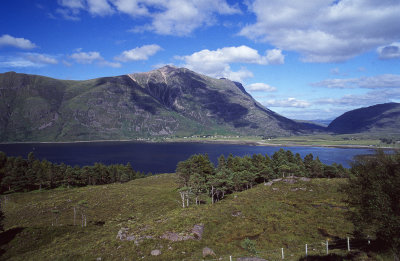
307,60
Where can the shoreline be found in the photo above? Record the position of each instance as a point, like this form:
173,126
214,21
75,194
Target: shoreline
227,142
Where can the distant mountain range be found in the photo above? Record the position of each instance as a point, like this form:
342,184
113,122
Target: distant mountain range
168,101
383,118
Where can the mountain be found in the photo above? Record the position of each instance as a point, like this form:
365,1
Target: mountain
383,118
168,101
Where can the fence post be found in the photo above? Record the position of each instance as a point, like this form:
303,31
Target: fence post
230,258
283,256
306,250
327,247
348,244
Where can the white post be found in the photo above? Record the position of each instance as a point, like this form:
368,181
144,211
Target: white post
306,250
348,244
230,258
283,256
327,248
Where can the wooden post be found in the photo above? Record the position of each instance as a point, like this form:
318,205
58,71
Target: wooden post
283,256
327,247
306,250
348,244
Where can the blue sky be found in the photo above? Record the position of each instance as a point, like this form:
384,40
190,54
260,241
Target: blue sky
303,59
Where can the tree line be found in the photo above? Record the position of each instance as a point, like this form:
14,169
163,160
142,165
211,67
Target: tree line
199,179
19,174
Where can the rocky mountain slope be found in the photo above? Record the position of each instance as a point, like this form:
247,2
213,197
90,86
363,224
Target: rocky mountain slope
382,118
168,101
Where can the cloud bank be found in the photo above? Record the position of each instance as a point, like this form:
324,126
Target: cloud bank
325,30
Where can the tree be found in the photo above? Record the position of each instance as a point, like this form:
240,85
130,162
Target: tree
374,194
1,216
193,175
83,205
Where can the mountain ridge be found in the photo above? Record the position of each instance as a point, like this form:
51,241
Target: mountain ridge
376,118
168,101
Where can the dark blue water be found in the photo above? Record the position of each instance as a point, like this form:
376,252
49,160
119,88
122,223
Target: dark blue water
160,157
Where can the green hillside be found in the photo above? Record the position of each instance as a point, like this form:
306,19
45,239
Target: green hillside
288,214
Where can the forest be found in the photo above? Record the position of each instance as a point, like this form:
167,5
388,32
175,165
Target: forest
199,180
19,174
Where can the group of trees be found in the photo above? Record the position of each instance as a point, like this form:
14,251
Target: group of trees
374,196
19,174
198,178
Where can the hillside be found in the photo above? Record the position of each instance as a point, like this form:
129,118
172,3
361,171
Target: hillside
168,101
380,118
148,211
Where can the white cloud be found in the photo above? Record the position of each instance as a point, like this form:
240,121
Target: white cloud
24,60
109,64
40,58
99,7
289,102
275,56
16,62
22,43
216,63
390,51
86,57
168,17
373,82
138,53
367,99
325,30
181,17
93,57
73,4
260,87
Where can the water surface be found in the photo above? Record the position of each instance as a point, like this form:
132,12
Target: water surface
161,157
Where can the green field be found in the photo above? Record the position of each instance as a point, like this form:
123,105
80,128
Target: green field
369,140
283,215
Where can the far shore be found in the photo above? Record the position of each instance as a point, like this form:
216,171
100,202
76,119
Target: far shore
213,141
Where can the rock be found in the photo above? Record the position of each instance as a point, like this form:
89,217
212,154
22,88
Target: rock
275,189
155,252
269,183
176,237
250,259
208,252
294,189
124,235
305,179
290,181
236,214
198,230
276,180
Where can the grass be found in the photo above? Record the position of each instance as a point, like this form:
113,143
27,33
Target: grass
372,140
273,217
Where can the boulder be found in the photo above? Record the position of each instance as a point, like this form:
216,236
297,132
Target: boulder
289,180
236,213
208,252
250,259
198,230
155,252
305,179
171,236
269,183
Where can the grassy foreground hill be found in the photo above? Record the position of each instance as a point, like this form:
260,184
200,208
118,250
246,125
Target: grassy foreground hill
288,214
